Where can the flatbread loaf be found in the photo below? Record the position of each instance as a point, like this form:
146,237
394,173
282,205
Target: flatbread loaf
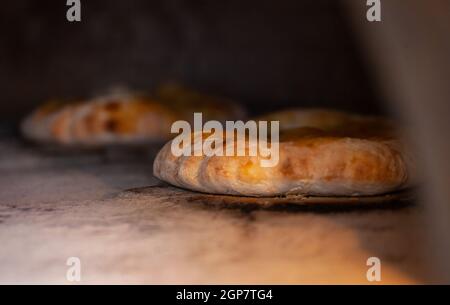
321,152
123,117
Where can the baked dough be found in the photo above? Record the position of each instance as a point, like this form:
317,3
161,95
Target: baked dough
112,119
322,152
123,117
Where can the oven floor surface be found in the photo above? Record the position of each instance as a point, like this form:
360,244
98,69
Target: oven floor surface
53,207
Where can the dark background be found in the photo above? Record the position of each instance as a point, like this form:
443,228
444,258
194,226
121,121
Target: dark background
267,54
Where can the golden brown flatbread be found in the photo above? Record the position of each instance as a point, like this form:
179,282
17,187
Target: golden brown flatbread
321,152
123,117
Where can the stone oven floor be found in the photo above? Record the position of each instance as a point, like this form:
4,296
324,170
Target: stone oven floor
55,206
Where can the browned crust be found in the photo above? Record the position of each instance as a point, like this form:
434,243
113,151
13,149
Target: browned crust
357,156
100,121
124,118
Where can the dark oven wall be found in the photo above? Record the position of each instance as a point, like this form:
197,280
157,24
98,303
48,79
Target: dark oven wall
268,54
